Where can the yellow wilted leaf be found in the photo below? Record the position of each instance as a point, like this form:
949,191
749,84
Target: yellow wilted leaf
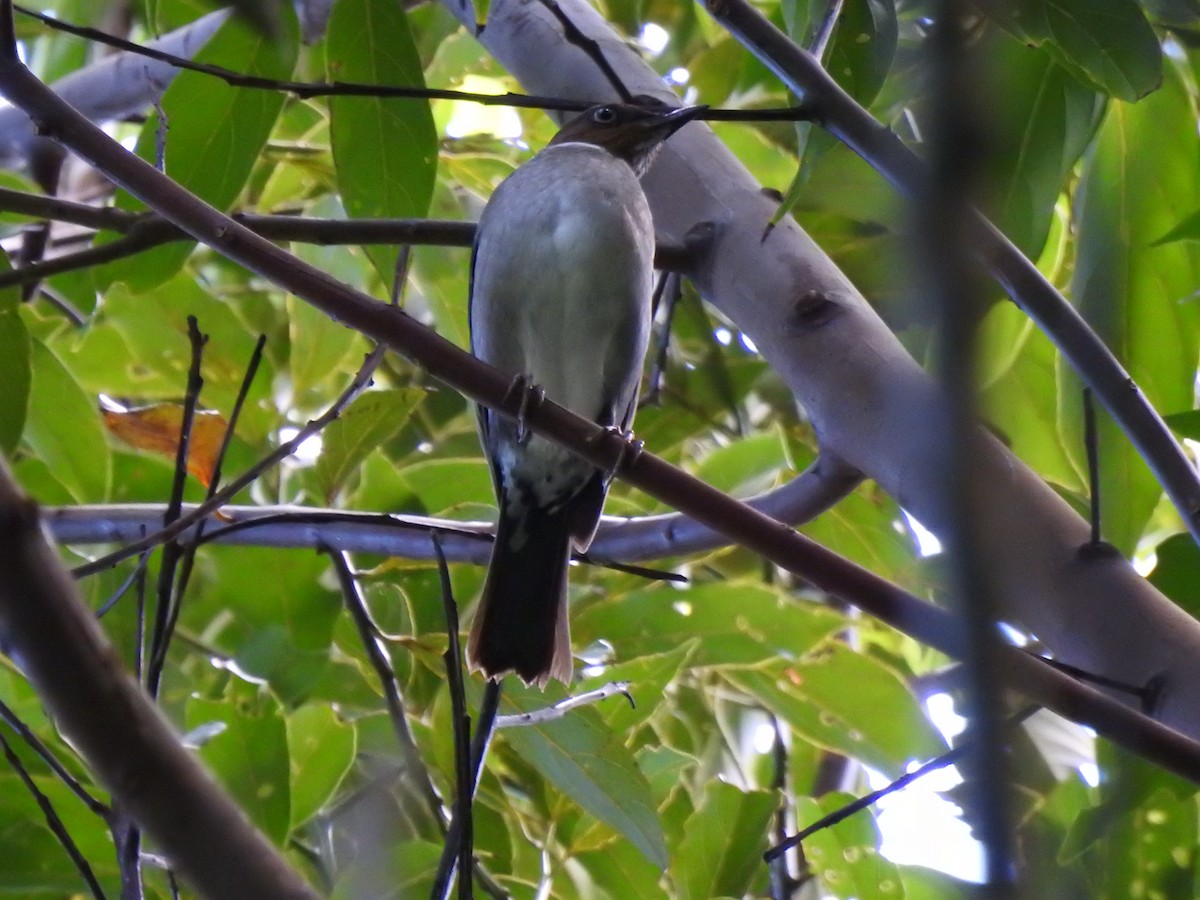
156,428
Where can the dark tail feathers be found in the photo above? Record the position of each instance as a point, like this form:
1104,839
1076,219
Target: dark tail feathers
521,622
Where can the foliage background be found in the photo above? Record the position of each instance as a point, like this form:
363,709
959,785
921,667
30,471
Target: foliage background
1092,169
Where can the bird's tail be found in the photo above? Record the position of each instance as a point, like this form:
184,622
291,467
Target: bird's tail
521,622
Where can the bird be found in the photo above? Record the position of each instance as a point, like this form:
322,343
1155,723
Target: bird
560,295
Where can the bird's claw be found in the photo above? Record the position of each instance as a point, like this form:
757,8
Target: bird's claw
630,451
531,396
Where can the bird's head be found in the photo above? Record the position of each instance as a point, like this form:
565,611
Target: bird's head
633,131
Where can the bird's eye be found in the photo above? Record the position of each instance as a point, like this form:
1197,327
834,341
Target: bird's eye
605,115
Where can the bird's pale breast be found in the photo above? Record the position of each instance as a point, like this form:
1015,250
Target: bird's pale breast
562,283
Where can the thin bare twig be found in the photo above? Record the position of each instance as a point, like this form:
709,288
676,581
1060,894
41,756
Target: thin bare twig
357,385
562,707
839,815
53,822
35,744
164,614
465,783
414,768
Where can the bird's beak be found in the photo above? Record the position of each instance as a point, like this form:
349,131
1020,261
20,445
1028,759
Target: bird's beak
675,119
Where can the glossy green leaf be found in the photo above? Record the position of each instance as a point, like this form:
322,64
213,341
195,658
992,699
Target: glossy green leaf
735,622
63,428
847,702
321,749
1107,43
213,133
249,756
583,758
385,149
721,853
1142,174
846,856
15,376
367,423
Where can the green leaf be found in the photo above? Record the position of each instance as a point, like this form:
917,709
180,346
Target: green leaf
1188,229
620,871
321,751
15,376
385,149
648,678
1037,130
441,485
1185,424
834,698
250,756
737,623
1142,174
747,466
367,423
583,758
846,856
63,428
1106,43
863,47
402,871
721,852
214,132
285,618
1177,572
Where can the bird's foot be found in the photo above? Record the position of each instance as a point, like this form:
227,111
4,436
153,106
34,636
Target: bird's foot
629,453
532,396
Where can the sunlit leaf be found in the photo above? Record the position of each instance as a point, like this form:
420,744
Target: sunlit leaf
367,423
1141,176
64,429
585,760
157,429
721,853
846,856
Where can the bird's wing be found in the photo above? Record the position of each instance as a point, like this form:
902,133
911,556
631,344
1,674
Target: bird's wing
483,415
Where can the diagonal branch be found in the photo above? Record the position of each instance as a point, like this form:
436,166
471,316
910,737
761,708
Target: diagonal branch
46,628
837,111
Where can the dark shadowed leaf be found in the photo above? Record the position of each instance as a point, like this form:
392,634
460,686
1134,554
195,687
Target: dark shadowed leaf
1107,43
